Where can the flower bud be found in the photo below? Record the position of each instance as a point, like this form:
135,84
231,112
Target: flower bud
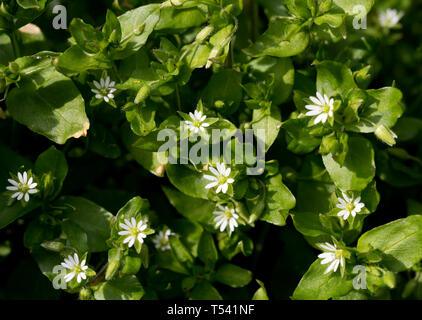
112,269
389,279
161,170
53,246
203,34
143,94
219,104
14,67
409,288
213,54
386,135
324,6
229,8
85,294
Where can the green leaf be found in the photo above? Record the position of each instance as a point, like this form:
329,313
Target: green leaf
298,8
187,180
299,137
283,72
133,208
132,264
233,275
349,5
53,164
270,122
11,213
76,236
111,29
261,293
205,291
309,224
224,86
382,107
86,36
315,285
147,159
181,18
93,219
125,288
334,78
181,253
358,168
195,209
333,20
279,200
400,241
50,105
137,25
283,38
74,60
207,251
190,234
141,120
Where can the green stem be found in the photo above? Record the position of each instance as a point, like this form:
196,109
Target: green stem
15,45
179,103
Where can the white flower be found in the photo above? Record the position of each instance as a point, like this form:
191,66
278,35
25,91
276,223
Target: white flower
331,255
133,230
349,206
76,269
24,187
389,18
197,122
323,108
225,217
161,240
104,89
220,178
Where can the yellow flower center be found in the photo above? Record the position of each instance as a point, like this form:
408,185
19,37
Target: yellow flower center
222,179
134,231
326,108
350,207
228,213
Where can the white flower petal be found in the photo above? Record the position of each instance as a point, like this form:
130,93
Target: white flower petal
13,182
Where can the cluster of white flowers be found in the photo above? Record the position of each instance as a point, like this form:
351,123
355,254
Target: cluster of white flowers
331,255
220,178
133,230
105,89
323,108
389,18
225,217
76,269
161,240
197,122
349,206
23,187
